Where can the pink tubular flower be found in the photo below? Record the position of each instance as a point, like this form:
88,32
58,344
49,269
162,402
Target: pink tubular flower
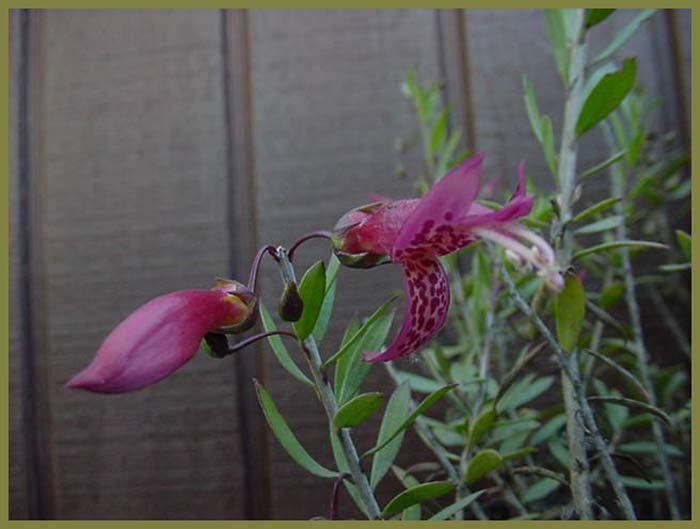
415,232
162,335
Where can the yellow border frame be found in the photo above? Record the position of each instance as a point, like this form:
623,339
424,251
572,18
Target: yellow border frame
266,4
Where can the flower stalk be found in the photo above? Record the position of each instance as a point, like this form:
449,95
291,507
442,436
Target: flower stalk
329,403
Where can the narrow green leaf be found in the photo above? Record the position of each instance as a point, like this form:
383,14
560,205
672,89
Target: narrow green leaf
533,113
418,494
328,300
676,267
480,426
615,245
606,96
424,405
540,489
624,35
596,16
634,404
684,243
279,350
355,369
558,451
569,312
357,410
558,41
550,428
407,480
522,452
459,505
286,437
353,340
312,290
419,383
603,165
605,224
481,464
649,447
595,208
396,410
439,133
548,145
611,294
446,155
517,369
642,484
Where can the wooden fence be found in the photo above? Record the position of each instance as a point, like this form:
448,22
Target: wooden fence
154,150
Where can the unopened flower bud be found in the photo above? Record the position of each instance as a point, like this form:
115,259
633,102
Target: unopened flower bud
291,305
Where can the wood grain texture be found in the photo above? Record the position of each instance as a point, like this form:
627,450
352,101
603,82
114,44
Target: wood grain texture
18,501
133,176
327,110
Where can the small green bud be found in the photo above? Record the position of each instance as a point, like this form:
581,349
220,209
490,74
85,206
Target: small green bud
215,345
291,305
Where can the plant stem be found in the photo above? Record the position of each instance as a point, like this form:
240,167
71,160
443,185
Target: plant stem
566,365
566,174
327,398
618,189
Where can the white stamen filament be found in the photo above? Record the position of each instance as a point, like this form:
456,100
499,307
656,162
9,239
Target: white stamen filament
540,255
543,246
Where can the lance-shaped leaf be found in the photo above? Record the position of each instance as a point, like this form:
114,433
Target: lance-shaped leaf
353,369
312,290
354,338
595,208
481,464
481,426
459,505
357,410
606,96
596,16
329,299
624,35
415,495
414,512
396,410
569,311
540,489
286,437
605,224
556,25
684,243
279,350
616,245
424,405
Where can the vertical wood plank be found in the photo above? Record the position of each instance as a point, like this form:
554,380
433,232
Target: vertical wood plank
327,110
504,46
254,441
18,497
132,172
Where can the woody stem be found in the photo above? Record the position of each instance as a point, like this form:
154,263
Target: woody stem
330,405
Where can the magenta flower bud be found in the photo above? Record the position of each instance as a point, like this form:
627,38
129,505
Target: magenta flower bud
160,337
